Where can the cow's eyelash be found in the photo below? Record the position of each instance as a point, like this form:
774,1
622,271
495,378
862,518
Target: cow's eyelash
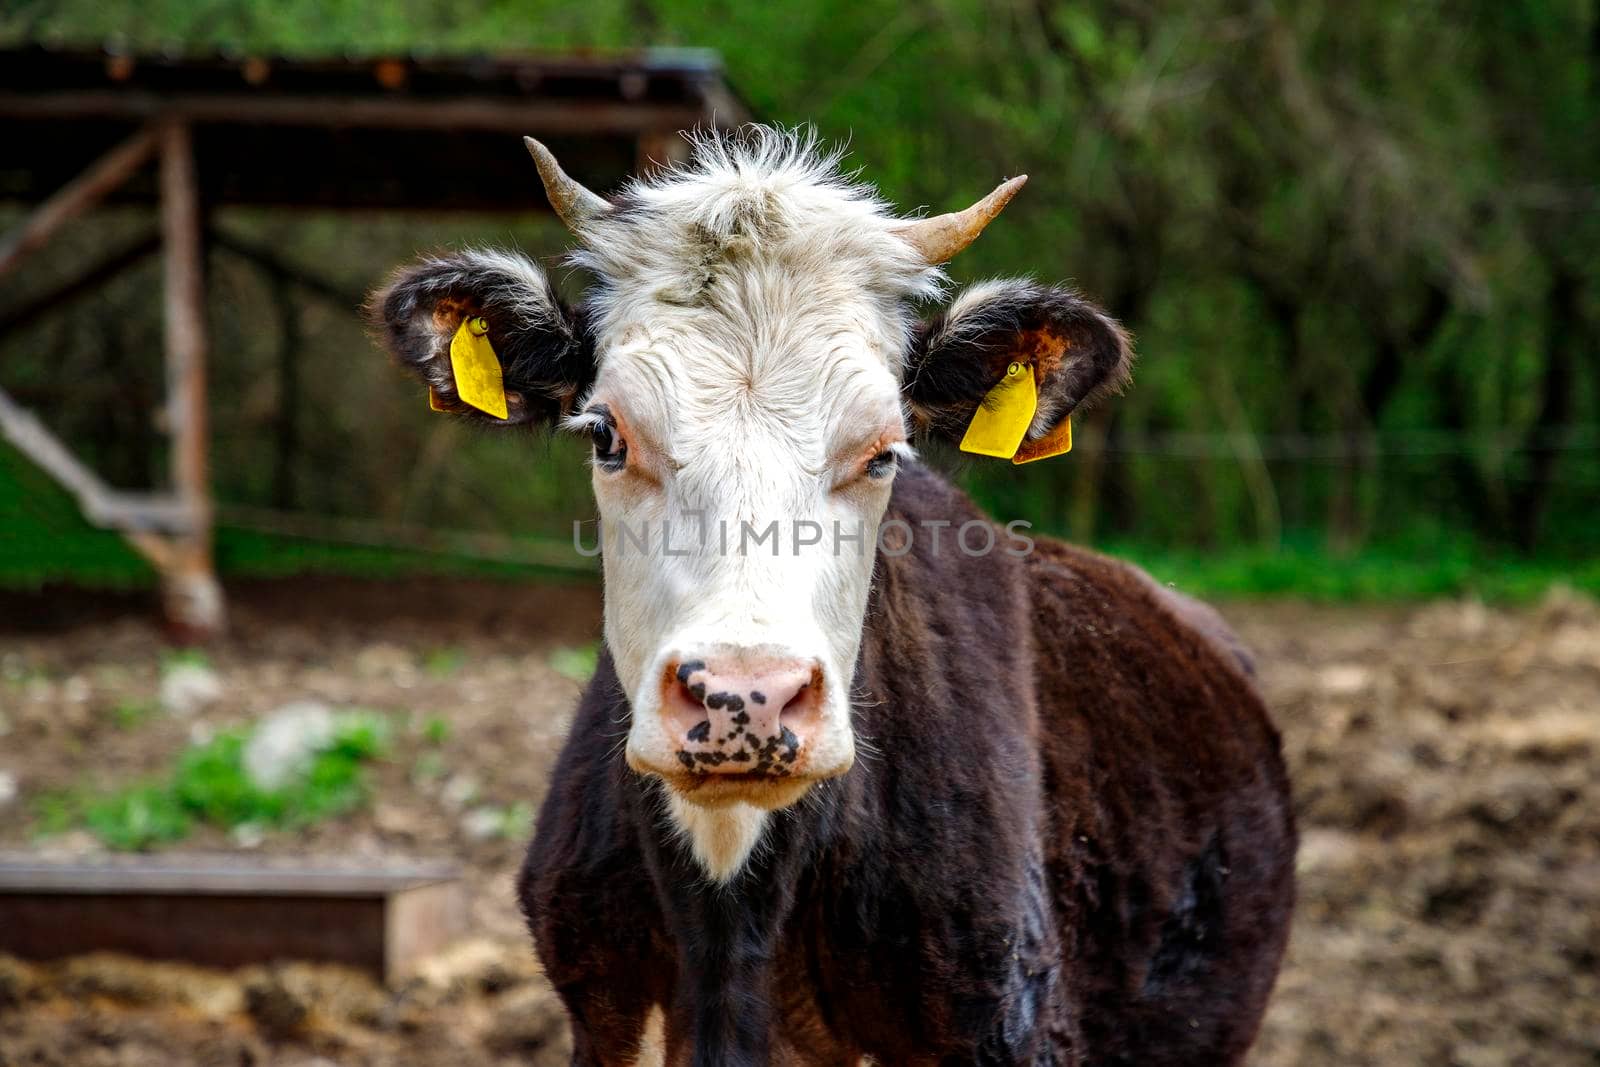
881,465
583,422
610,447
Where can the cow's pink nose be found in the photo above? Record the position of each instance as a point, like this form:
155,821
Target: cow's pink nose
741,713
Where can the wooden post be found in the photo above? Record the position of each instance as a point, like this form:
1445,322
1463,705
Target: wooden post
76,197
191,596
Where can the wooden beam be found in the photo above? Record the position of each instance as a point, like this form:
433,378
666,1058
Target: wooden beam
29,436
281,269
127,513
191,597
96,275
76,197
466,113
223,912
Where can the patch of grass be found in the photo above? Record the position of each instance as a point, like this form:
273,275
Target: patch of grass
131,714
184,657
575,663
1397,573
54,813
511,823
210,785
444,662
137,817
519,820
19,676
47,539
436,730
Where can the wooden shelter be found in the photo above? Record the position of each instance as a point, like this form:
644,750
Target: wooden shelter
187,134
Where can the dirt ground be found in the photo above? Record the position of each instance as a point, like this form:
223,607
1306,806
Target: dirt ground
1446,761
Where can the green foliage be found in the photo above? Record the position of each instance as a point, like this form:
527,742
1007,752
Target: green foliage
209,784
137,818
1356,243
211,781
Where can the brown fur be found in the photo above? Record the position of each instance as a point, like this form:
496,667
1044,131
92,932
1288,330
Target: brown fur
1078,850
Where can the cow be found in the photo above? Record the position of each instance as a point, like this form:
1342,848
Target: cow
861,776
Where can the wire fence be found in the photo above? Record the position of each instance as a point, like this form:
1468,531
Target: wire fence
559,554
1345,447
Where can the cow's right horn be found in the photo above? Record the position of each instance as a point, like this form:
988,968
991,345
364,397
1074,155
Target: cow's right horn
575,204
938,239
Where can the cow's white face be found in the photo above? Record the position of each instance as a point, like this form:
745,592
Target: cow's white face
747,421
747,366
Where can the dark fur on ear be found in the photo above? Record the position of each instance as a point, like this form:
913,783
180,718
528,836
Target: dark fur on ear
1080,354
545,357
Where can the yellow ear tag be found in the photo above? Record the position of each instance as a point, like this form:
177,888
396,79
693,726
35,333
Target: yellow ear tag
433,401
1054,443
477,370
1002,419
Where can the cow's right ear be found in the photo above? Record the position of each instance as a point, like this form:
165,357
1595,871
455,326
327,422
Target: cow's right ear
546,361
1077,354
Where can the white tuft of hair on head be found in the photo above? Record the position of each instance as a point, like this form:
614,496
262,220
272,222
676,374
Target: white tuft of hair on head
753,199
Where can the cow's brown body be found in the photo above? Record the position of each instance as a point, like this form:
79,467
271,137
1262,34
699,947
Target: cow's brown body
1067,840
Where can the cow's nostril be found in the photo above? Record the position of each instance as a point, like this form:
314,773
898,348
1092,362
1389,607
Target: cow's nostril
741,712
806,701
688,676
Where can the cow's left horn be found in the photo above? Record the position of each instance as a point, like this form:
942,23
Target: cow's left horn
939,239
575,204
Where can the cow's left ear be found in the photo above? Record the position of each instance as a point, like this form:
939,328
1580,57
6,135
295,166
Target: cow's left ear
517,323
1076,352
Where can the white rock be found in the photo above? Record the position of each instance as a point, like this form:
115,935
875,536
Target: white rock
481,824
8,788
187,688
459,791
284,744
1344,679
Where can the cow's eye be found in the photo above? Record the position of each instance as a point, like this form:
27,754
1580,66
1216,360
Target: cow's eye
610,450
882,465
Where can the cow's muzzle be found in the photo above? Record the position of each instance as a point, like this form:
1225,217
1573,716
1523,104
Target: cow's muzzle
742,712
